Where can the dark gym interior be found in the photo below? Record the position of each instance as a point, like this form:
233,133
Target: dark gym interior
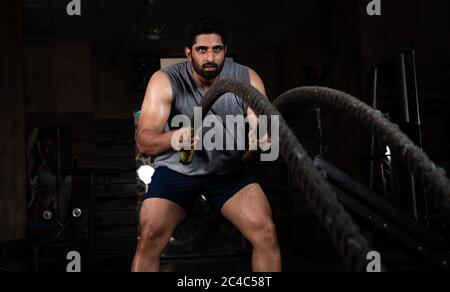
72,87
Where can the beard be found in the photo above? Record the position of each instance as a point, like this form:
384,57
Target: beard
208,71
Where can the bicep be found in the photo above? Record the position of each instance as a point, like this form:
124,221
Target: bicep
156,107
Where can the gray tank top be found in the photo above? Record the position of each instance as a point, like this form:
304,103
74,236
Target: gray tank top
187,94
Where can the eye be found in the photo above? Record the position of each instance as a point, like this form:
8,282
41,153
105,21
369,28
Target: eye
202,50
218,49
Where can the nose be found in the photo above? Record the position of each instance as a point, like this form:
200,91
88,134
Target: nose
210,57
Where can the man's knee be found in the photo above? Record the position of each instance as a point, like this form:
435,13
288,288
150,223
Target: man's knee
153,235
263,233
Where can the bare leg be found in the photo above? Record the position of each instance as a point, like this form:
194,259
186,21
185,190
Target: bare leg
250,212
158,220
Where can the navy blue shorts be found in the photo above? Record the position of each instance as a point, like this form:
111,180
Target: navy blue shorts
184,190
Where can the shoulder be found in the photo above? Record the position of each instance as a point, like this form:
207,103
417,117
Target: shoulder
253,75
177,68
159,79
236,66
236,70
179,74
160,86
256,81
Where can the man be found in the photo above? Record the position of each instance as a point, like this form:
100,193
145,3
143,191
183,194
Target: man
218,175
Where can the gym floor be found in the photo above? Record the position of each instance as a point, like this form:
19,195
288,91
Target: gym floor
307,251
299,254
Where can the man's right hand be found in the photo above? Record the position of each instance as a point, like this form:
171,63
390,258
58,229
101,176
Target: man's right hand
183,139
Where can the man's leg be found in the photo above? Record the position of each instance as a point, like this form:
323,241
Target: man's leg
158,220
250,212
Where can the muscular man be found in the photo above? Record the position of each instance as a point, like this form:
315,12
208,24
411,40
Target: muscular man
217,175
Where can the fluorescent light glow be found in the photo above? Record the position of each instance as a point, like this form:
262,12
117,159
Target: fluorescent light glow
145,174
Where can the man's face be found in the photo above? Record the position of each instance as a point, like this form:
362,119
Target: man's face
207,55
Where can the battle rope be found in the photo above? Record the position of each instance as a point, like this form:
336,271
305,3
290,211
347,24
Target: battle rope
434,179
352,246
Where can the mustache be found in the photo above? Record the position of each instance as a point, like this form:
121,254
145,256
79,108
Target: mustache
210,65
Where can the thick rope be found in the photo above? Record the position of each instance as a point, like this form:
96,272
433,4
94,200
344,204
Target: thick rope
434,179
345,234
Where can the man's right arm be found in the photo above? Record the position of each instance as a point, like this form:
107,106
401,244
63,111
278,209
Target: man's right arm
155,113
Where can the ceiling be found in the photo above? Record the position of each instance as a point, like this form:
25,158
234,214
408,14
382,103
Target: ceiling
123,25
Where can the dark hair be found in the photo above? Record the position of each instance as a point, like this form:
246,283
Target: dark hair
204,25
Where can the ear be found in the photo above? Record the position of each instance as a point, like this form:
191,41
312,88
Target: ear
188,53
